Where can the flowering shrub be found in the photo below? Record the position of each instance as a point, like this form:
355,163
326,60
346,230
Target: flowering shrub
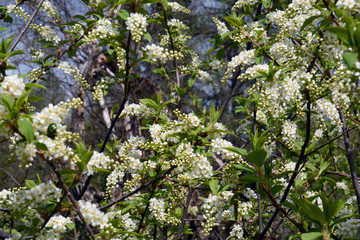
286,160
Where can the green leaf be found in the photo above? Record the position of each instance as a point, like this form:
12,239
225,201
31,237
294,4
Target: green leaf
257,157
67,171
340,32
220,54
309,21
19,102
332,208
3,29
244,168
26,129
312,211
30,184
214,186
214,115
7,102
239,151
123,14
41,146
147,36
311,235
350,58
34,85
150,103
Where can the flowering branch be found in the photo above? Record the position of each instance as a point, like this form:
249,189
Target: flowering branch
26,26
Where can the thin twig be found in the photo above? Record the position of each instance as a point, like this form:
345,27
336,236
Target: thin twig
121,108
26,26
350,159
188,198
74,202
136,190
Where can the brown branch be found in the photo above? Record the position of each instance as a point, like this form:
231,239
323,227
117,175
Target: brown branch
136,190
188,198
26,26
75,204
278,206
350,158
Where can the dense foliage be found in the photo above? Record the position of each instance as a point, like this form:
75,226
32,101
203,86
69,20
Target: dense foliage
282,166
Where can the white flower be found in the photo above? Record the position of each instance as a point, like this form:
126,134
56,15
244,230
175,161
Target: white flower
98,160
246,57
136,23
12,86
155,53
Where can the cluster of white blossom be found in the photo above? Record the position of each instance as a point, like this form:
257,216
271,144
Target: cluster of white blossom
242,3
70,69
157,209
103,29
139,110
246,57
46,32
221,27
218,146
136,24
349,229
205,77
289,132
155,53
30,200
178,8
347,4
177,24
18,11
328,111
237,232
93,215
12,86
98,160
54,228
37,54
51,10
105,84
254,70
55,114
25,153
191,165
216,208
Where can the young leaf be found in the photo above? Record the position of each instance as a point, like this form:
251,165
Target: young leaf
26,129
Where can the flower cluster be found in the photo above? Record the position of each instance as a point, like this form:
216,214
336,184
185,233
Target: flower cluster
237,231
139,110
51,10
218,146
37,54
68,69
98,160
289,132
93,215
105,84
349,229
155,53
157,209
136,23
46,32
12,86
54,228
221,27
18,11
103,29
216,208
178,8
241,3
